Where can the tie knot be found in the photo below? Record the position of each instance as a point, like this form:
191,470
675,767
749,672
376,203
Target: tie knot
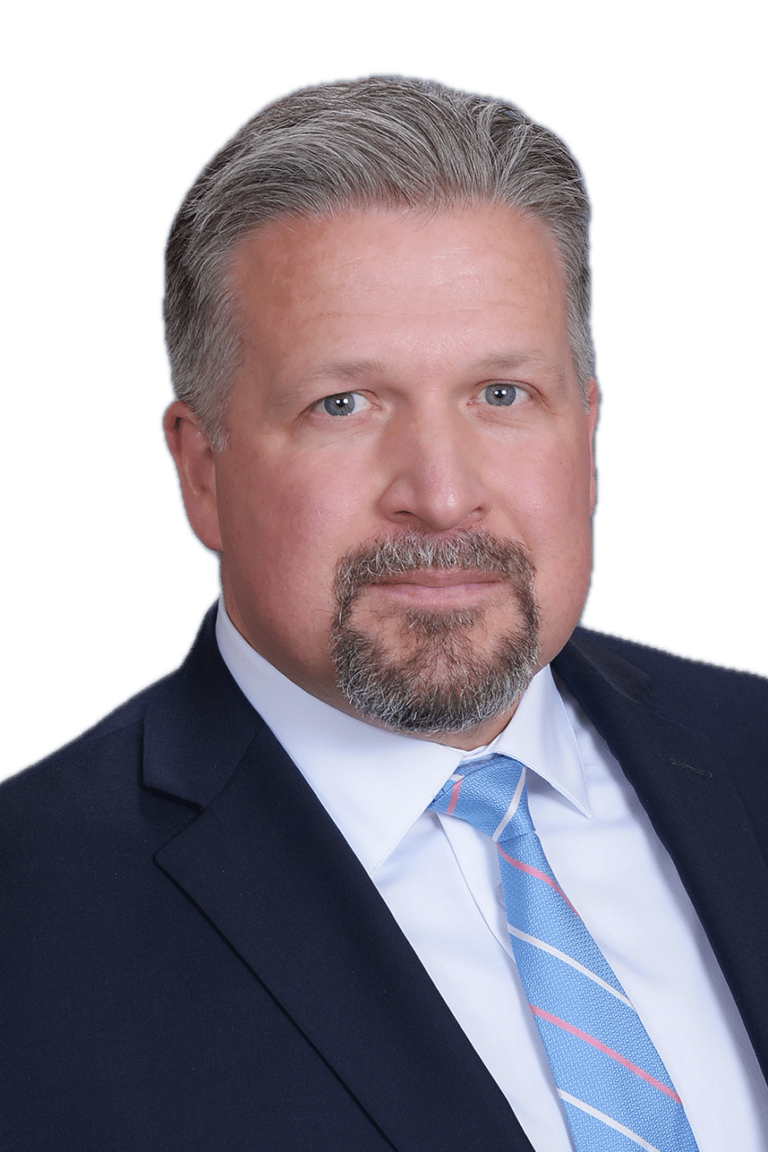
489,794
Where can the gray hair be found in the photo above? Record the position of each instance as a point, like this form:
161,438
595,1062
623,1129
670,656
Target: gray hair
385,141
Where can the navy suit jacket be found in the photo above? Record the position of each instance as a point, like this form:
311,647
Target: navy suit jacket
192,958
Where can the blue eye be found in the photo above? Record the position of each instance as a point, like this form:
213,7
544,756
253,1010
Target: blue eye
501,395
341,404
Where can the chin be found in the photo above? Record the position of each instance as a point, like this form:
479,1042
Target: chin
439,678
425,670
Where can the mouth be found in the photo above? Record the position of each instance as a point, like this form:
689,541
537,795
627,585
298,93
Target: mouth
435,635
439,578
418,574
437,588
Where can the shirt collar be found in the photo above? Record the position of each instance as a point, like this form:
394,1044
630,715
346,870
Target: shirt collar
374,783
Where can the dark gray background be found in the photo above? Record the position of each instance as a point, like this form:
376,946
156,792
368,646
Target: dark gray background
677,169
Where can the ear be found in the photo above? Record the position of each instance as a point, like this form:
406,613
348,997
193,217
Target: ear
196,465
593,402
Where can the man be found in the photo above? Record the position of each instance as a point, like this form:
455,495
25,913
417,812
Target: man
254,908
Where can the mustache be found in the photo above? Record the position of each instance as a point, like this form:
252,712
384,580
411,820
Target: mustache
478,551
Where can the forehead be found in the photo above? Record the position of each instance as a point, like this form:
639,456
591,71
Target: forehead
400,281
348,246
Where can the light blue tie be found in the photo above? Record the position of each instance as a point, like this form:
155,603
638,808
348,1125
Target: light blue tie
616,1092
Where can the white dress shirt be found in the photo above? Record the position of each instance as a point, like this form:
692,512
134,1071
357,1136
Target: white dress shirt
440,878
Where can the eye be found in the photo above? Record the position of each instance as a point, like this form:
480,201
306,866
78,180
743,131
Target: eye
342,403
502,395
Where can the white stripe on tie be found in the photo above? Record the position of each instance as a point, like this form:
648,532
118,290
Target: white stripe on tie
513,804
608,1120
566,959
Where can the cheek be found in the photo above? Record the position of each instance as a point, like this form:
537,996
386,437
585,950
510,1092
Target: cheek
555,514
552,490
283,531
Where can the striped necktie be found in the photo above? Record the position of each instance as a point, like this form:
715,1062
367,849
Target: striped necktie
615,1090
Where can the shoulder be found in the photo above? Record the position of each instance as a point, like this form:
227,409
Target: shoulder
176,742
678,683
115,735
80,804
80,829
727,707
669,669
95,780
121,729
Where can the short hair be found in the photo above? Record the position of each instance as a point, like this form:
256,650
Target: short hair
387,141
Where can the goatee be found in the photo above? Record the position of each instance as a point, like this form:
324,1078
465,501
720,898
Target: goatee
441,679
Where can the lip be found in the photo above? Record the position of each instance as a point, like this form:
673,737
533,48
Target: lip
438,578
438,588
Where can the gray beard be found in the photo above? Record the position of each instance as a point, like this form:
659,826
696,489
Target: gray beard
441,683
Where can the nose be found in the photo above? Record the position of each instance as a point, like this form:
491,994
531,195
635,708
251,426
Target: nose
433,474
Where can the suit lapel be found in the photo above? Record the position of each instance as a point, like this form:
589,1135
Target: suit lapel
687,790
265,863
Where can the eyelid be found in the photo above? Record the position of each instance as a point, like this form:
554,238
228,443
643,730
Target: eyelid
361,402
521,391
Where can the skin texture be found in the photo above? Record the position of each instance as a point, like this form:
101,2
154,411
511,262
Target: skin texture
415,317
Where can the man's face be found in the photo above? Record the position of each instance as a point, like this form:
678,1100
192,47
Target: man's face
408,448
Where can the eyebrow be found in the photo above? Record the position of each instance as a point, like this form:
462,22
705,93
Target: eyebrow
504,362
494,362
347,370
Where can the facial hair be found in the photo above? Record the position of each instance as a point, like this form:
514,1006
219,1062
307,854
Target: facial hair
440,680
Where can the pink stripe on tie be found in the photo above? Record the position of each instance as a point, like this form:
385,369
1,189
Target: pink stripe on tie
454,797
539,876
606,1050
